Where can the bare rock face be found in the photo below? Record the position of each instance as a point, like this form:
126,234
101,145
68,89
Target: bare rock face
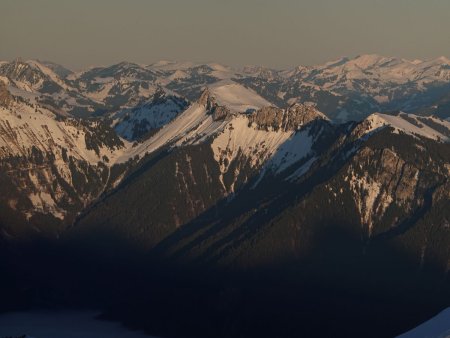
267,118
210,103
207,100
361,129
299,114
392,180
5,96
388,188
292,118
220,113
21,71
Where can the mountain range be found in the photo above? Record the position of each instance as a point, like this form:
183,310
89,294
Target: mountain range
323,190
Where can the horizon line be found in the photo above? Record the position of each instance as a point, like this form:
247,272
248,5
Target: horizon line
199,63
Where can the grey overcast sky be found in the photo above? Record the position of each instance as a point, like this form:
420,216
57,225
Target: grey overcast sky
274,33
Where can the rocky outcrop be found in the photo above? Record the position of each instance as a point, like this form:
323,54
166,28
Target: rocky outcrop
267,118
293,118
300,114
21,71
5,96
210,103
206,99
391,188
220,113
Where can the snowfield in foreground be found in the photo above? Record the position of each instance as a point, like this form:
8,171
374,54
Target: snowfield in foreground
62,325
437,327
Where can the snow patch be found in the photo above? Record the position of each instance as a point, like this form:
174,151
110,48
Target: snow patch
366,192
436,327
409,124
238,137
237,97
191,126
292,150
149,116
43,202
23,127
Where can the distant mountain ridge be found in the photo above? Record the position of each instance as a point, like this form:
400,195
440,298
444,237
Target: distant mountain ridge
248,138
249,135
344,89
313,180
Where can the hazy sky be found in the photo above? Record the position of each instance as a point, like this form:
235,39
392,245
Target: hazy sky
276,33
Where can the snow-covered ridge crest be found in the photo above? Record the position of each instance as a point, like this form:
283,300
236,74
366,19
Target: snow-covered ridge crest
192,126
48,157
134,123
50,73
271,149
24,127
236,97
217,105
256,135
31,74
239,136
385,69
430,127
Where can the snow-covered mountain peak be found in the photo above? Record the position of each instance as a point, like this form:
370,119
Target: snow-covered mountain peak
232,96
48,72
33,77
24,127
167,65
191,126
334,63
219,67
122,70
270,139
429,127
365,61
443,60
203,119
26,72
236,97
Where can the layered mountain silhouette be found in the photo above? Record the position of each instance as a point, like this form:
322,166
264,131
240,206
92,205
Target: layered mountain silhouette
288,203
